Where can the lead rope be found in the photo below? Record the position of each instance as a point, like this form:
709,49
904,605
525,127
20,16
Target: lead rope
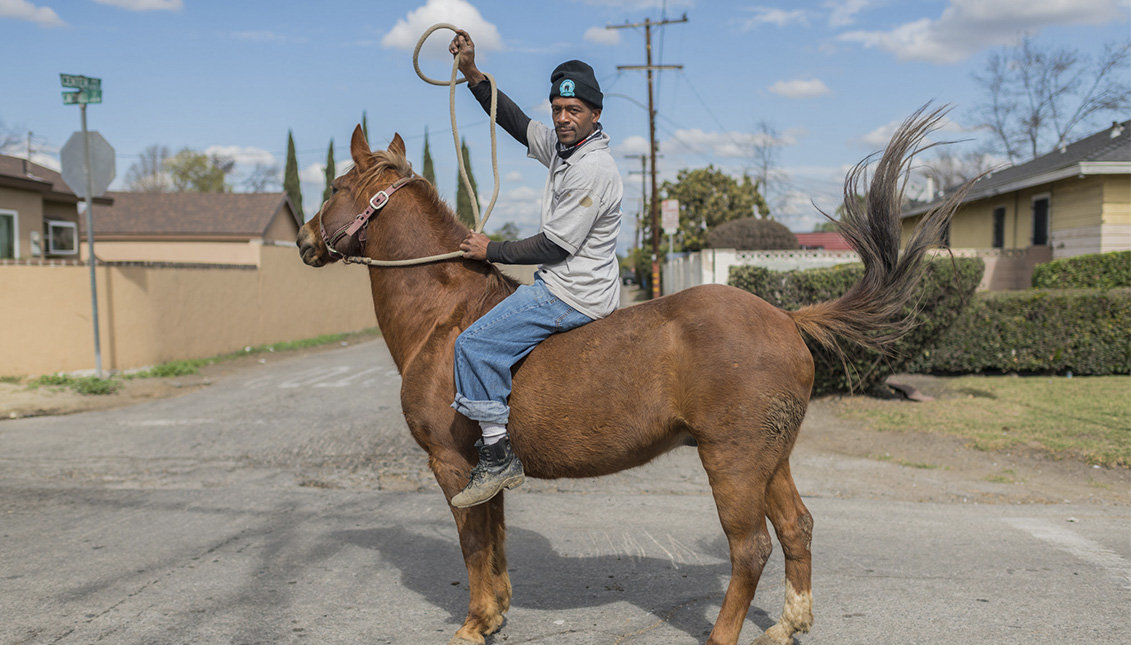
479,223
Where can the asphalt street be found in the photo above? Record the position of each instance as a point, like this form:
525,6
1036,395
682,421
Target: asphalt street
288,504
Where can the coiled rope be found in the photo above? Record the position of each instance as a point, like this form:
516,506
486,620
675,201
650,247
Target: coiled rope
479,223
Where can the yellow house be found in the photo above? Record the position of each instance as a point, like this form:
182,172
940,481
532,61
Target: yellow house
1072,201
193,228
38,213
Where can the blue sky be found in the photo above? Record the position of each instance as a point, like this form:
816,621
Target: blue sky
832,77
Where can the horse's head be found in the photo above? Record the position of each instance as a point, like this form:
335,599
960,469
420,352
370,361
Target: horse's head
338,230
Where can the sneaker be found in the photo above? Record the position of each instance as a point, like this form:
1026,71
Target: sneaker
498,468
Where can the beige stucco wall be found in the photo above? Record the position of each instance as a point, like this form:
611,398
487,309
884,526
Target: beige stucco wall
151,315
201,252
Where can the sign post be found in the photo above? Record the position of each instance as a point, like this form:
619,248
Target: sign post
89,91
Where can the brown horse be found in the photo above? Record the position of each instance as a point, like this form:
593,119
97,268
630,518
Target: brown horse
713,364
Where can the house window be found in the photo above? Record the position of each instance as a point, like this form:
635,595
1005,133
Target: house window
999,227
9,235
62,237
1041,220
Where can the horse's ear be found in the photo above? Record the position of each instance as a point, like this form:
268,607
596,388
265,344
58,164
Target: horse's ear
397,145
359,149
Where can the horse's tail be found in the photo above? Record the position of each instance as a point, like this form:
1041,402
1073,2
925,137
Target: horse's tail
869,312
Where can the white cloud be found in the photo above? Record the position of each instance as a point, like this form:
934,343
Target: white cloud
315,173
968,26
243,155
843,12
602,36
772,16
513,176
634,145
734,145
880,137
408,30
800,89
24,10
145,5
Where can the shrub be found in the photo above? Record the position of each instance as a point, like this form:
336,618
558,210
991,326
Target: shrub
1084,331
1093,271
938,299
752,234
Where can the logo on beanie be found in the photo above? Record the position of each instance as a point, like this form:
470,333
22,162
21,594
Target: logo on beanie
566,88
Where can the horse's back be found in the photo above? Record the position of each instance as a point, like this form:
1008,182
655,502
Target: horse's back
636,383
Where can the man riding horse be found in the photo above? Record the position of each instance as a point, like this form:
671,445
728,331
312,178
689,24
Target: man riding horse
578,279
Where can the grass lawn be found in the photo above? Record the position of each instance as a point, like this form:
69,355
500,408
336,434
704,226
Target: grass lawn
1087,418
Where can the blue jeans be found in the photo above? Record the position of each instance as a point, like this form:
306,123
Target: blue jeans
488,349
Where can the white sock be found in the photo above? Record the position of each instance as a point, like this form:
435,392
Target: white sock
492,432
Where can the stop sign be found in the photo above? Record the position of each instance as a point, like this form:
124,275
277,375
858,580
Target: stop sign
102,163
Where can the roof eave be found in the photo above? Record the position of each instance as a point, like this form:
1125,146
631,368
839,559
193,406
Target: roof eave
1083,169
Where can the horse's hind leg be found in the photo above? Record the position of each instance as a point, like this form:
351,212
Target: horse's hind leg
794,526
738,482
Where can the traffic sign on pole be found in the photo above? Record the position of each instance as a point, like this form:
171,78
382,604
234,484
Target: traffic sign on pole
89,89
81,97
669,208
88,169
102,164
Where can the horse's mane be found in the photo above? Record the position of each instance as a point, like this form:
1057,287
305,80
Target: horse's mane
499,285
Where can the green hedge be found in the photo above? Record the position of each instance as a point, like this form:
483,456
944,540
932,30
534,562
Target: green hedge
938,300
1094,271
1085,331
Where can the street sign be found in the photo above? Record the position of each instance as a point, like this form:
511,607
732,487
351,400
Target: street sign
84,96
102,163
89,89
80,82
669,212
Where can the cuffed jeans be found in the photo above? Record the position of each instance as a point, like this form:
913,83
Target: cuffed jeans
488,349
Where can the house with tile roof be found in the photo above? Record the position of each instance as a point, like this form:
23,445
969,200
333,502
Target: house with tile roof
1072,201
39,215
197,228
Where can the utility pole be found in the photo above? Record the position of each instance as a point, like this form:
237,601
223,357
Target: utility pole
654,205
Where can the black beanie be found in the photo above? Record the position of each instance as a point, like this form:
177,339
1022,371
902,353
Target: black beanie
575,79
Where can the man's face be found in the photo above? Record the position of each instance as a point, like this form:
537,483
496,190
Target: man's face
573,119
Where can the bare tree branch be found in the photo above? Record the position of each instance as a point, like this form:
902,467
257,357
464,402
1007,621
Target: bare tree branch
1036,96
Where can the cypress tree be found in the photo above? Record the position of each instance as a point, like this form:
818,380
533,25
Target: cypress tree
463,199
330,171
429,170
290,177
364,125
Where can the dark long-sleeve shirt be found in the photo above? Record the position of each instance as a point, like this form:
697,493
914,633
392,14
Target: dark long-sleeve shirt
537,249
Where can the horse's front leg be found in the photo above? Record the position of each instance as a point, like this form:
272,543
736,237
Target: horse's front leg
482,538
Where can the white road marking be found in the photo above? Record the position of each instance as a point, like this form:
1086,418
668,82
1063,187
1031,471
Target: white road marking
347,381
161,423
312,376
1080,547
